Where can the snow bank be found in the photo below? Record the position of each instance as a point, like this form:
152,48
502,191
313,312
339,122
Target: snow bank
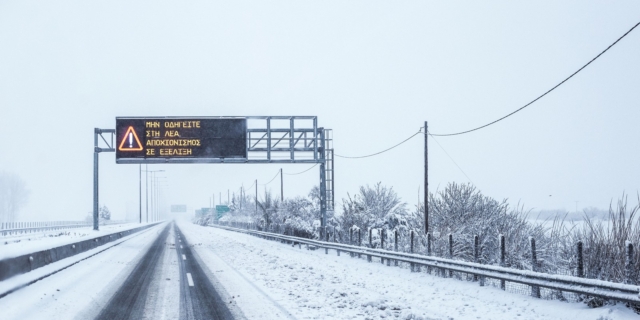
312,285
13,247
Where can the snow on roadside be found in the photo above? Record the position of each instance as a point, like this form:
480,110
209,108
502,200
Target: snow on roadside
313,285
15,246
81,290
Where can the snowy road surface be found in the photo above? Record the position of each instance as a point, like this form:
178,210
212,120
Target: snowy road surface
185,271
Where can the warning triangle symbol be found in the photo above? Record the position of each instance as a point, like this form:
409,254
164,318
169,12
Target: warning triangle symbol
130,141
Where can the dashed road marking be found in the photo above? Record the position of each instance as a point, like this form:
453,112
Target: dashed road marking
180,246
190,279
184,257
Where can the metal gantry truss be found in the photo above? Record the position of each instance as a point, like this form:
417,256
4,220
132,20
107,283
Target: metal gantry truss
329,172
295,139
277,139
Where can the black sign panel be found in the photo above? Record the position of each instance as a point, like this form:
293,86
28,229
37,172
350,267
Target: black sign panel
176,138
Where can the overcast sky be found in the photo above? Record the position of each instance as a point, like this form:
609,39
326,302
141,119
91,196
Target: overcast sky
373,71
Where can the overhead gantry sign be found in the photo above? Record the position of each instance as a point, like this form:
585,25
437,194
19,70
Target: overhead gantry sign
282,139
181,140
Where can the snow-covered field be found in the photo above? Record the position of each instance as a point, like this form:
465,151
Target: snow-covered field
308,284
13,246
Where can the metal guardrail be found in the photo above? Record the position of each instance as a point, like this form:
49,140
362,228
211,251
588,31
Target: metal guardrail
18,228
588,287
13,266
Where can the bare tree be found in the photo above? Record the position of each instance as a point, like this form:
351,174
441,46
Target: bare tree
13,196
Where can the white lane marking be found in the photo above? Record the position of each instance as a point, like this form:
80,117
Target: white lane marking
190,279
184,257
180,246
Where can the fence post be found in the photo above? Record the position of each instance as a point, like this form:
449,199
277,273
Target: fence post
629,276
351,239
580,260
370,244
382,243
502,260
450,252
359,240
388,261
475,254
396,245
480,261
535,290
429,250
411,250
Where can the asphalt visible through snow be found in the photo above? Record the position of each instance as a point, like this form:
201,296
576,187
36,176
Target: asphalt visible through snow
198,297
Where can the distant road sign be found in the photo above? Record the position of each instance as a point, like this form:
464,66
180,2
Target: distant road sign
162,140
222,209
178,208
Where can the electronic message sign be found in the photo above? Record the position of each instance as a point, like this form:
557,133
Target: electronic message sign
140,140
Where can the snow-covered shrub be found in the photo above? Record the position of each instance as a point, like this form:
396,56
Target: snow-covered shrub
604,244
377,207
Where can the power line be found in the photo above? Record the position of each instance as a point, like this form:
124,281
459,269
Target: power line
271,179
454,162
301,172
544,94
383,151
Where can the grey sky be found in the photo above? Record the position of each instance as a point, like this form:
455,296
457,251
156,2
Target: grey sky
372,71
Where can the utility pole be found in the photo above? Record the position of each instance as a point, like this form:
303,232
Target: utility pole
241,197
228,199
281,187
426,180
256,196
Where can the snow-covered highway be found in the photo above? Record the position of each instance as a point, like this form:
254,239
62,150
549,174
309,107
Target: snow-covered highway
179,270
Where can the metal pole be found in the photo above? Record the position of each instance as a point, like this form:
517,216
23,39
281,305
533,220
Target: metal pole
281,187
140,190
156,198
257,197
146,189
228,199
95,179
426,180
152,182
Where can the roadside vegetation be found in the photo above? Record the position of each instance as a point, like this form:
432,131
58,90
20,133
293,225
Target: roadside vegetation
462,211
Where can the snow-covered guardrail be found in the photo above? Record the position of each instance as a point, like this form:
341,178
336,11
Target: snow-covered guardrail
10,267
17,228
589,287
